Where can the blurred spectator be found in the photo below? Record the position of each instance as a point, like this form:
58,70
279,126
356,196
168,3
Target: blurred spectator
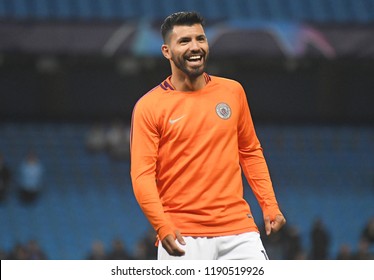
34,251
96,138
140,251
18,252
292,244
118,140
368,231
344,252
274,243
320,241
97,251
3,255
31,177
118,251
363,251
5,176
146,248
286,244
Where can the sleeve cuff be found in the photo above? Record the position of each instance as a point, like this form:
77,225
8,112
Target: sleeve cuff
164,231
272,212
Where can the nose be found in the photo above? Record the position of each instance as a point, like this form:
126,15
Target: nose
194,46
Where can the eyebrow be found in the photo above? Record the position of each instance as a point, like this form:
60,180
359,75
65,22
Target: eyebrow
189,37
184,38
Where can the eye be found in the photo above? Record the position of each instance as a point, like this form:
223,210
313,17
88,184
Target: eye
184,41
201,39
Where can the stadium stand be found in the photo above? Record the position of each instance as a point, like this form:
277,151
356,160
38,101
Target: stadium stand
317,172
339,11
85,196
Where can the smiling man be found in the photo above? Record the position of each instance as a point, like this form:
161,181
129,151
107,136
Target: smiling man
192,137
186,47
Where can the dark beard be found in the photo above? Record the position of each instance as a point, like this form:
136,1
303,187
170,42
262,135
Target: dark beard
192,73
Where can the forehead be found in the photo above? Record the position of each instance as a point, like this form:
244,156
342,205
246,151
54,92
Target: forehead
186,31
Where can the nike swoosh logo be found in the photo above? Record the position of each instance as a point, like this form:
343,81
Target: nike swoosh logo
172,121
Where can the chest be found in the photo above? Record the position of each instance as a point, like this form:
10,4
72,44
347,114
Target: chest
187,116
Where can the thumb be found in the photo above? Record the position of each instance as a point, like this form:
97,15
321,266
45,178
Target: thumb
267,225
179,237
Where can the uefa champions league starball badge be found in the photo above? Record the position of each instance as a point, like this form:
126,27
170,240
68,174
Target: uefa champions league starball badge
223,110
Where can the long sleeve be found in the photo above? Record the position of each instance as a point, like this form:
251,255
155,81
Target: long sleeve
253,163
144,149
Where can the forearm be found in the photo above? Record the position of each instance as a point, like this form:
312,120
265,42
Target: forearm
146,194
257,174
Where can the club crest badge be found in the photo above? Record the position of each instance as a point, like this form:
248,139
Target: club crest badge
223,110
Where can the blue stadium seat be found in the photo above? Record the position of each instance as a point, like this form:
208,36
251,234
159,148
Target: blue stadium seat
85,10
256,10
40,9
3,10
277,9
299,10
316,170
62,10
20,9
360,11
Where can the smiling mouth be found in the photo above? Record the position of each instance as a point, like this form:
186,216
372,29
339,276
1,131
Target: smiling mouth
194,58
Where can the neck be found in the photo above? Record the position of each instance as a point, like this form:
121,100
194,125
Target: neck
186,83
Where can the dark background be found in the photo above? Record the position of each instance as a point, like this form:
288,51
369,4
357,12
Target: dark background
93,88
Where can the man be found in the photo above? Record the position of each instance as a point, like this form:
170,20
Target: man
191,137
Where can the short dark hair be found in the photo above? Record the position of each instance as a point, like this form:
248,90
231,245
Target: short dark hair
180,18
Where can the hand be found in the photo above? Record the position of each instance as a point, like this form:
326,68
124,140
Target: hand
275,225
171,246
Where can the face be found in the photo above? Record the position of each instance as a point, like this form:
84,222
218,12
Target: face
187,49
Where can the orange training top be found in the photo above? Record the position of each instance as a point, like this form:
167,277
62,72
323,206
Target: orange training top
187,151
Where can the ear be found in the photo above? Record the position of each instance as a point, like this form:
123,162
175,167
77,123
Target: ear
165,51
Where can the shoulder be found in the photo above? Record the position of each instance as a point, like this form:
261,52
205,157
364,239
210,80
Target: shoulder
226,82
150,98
229,87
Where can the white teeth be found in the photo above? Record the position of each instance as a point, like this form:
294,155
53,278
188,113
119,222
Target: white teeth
195,57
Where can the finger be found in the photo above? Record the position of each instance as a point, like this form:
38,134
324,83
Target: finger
171,246
175,250
267,225
278,223
180,237
178,252
167,243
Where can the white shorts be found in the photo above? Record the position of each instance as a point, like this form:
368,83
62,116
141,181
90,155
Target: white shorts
245,246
